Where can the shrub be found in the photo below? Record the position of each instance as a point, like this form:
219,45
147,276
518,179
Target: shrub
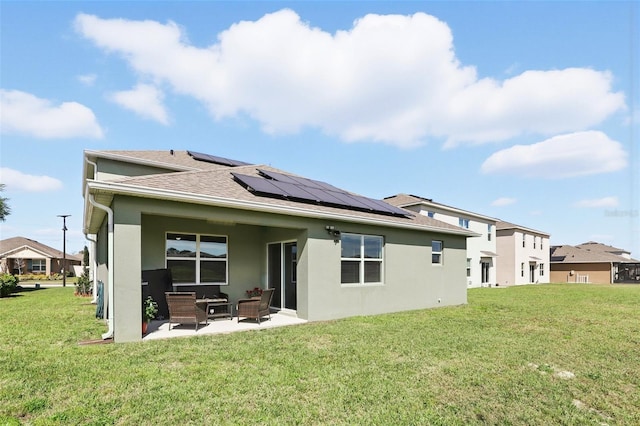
8,284
83,285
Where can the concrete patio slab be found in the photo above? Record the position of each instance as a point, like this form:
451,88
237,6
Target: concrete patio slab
160,329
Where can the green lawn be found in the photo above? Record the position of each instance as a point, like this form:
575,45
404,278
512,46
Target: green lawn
498,360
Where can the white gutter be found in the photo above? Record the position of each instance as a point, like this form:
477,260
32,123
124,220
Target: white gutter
110,261
125,189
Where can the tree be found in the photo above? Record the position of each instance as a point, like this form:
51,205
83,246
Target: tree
5,210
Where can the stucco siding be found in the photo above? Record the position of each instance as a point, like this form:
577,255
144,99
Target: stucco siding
597,273
111,170
410,280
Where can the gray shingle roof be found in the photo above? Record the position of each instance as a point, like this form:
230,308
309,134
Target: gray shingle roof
217,182
588,253
11,244
408,200
502,225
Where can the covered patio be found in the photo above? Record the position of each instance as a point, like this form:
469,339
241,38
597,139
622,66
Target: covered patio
160,329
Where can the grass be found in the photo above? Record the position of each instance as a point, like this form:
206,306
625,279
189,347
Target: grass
498,360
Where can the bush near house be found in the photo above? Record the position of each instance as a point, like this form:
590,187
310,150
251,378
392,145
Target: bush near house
40,277
8,284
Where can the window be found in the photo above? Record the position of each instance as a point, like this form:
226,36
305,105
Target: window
431,214
489,232
37,266
534,241
541,241
436,252
361,259
463,223
542,269
522,269
523,239
197,259
468,267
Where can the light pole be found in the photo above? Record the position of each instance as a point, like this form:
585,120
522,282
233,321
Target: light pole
64,248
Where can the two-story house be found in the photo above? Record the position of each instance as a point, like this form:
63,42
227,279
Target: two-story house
524,255
482,258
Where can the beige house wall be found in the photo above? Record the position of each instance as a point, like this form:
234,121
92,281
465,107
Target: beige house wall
598,273
512,254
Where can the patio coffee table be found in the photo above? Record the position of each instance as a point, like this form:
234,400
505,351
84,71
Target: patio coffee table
217,308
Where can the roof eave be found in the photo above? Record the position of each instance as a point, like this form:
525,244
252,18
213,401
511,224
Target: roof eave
165,194
448,208
135,160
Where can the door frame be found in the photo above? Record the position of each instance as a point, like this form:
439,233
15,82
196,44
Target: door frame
282,283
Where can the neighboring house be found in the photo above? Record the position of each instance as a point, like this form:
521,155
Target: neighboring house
523,254
218,222
481,249
20,256
593,262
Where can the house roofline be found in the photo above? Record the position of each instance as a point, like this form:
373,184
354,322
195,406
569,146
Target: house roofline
22,247
135,160
125,189
521,228
426,202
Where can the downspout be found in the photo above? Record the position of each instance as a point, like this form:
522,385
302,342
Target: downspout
94,268
110,275
94,258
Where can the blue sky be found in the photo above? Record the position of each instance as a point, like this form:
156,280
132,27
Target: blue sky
524,111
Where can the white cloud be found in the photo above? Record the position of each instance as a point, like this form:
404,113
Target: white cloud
145,100
570,155
24,113
393,79
503,201
19,181
598,202
87,79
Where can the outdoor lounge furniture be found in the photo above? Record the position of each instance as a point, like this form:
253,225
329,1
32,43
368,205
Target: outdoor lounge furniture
255,307
183,309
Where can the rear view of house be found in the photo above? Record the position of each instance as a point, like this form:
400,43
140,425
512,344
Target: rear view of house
524,255
482,258
593,262
216,223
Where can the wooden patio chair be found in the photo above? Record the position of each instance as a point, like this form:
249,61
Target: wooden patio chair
255,308
184,310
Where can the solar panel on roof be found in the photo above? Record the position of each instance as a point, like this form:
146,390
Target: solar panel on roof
294,191
302,189
259,185
216,160
298,180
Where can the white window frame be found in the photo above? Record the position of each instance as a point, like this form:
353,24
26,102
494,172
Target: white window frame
541,271
362,260
463,222
489,229
439,253
42,266
468,267
198,259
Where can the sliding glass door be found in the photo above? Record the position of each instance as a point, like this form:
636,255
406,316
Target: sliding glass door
282,260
